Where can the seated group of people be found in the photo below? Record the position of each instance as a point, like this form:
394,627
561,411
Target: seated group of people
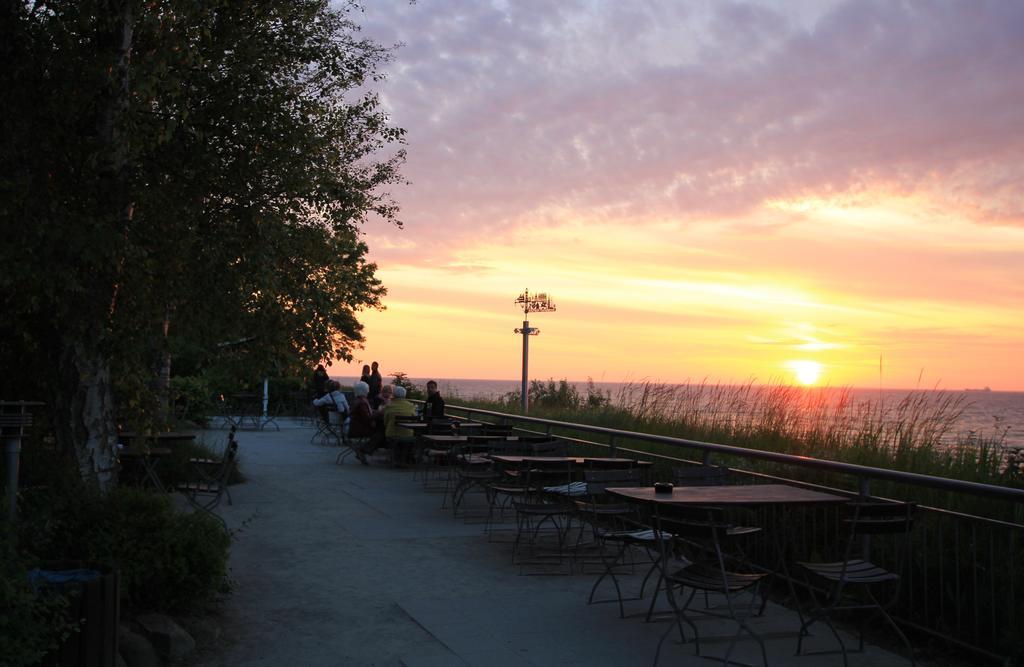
366,428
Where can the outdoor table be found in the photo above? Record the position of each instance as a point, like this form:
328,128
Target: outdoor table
147,459
441,438
737,496
440,445
601,461
574,463
750,495
169,439
242,406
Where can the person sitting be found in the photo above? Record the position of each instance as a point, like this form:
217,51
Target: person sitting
433,407
360,427
335,405
399,439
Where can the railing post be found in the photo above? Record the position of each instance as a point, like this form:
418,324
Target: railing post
864,491
611,446
706,459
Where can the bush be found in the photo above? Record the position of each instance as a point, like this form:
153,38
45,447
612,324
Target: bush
193,400
169,561
400,379
31,625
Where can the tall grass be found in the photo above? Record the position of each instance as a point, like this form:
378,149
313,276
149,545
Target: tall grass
916,433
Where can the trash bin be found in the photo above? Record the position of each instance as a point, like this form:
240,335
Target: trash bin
94,604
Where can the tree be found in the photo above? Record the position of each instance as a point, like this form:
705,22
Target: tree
237,150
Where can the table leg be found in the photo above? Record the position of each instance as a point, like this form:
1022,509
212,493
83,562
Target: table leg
149,464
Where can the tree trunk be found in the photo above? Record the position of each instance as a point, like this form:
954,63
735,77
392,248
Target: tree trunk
83,402
163,382
83,409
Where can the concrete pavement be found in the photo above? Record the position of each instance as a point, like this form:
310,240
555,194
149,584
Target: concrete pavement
355,565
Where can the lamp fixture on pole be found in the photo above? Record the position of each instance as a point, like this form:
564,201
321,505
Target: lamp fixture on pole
537,303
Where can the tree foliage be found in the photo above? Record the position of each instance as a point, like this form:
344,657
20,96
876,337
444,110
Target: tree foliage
183,173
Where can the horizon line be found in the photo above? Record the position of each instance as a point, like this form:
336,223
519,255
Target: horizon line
982,390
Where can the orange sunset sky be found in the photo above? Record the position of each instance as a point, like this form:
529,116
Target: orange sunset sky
784,191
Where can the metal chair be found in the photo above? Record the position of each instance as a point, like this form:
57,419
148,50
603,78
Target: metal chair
697,558
617,525
852,582
212,481
535,509
543,447
474,469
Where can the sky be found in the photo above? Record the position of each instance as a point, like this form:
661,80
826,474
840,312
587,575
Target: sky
805,191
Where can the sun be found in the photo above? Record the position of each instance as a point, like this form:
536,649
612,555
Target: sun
806,372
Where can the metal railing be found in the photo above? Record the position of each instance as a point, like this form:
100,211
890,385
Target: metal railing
967,569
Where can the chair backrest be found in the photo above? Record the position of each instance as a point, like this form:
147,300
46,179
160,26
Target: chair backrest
616,464
890,521
544,448
336,414
700,476
694,522
228,462
547,473
880,518
440,427
599,480
499,447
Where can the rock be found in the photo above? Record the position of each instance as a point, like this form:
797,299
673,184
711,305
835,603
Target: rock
205,630
136,651
169,638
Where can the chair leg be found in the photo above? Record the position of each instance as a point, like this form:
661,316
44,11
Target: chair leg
609,570
655,562
896,628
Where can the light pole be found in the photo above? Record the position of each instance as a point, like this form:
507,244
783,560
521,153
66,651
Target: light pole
538,303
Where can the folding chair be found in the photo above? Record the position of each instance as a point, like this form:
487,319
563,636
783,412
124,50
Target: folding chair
213,478
535,508
697,559
496,429
852,581
543,447
617,525
473,468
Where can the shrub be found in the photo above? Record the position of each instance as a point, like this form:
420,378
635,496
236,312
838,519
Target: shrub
193,400
31,624
400,379
169,561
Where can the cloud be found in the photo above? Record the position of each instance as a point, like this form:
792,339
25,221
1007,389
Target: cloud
704,110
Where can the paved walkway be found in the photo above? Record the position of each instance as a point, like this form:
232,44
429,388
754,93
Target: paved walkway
354,565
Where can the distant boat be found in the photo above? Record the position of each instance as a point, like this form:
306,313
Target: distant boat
982,389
